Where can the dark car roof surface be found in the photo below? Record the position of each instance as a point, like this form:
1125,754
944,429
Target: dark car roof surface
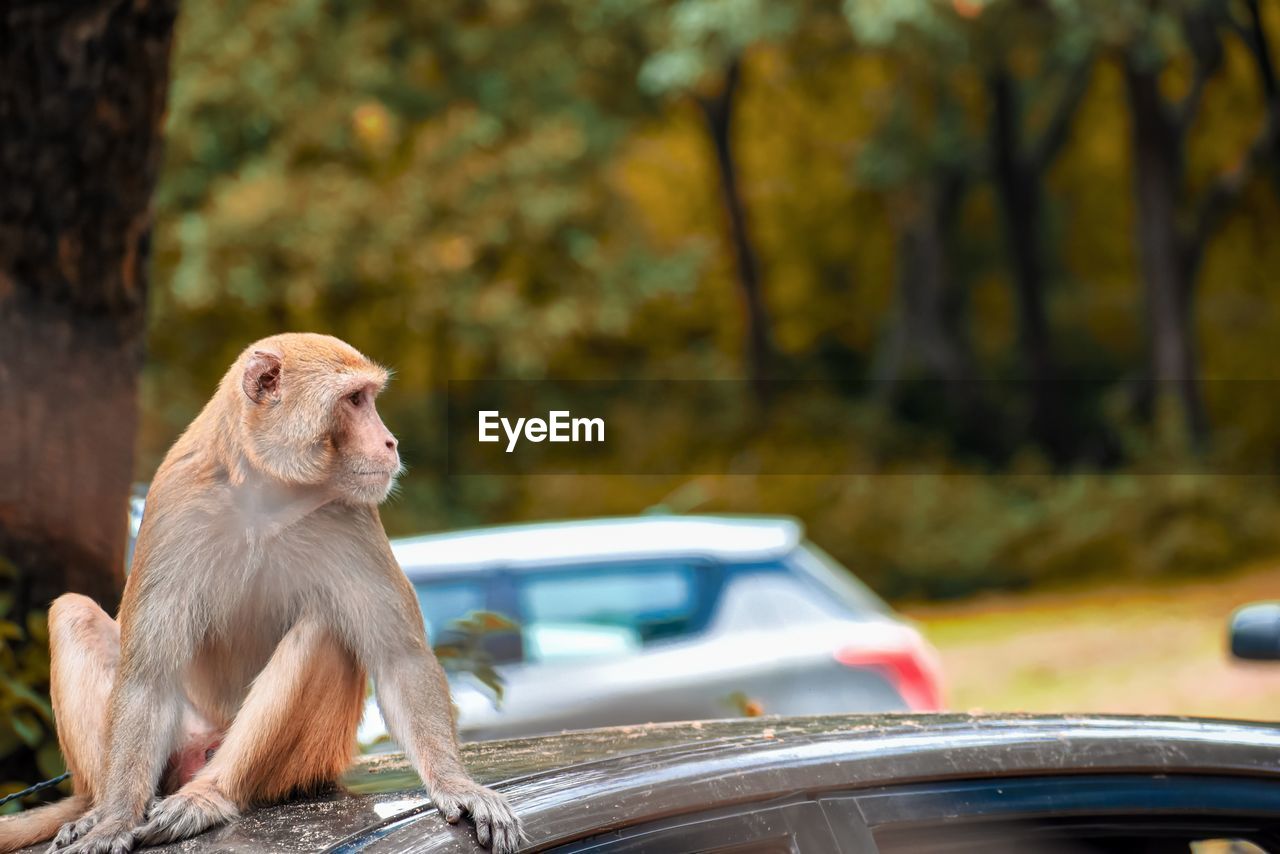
589,781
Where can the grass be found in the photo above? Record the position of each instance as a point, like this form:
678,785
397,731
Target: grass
1114,649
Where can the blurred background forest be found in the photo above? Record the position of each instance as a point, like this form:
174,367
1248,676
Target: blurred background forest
890,198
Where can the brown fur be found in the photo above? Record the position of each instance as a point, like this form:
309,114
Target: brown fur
39,824
263,589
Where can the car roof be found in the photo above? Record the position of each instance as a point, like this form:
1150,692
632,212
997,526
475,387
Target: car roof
566,785
730,538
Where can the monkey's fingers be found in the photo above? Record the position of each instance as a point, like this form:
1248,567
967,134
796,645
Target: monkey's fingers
106,838
507,838
73,830
190,811
483,819
507,831
497,826
450,806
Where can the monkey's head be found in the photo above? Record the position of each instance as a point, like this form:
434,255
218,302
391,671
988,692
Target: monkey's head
309,417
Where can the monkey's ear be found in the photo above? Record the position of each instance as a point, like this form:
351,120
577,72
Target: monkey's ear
261,380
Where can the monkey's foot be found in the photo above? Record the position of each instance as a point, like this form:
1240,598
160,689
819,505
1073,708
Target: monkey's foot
94,835
191,810
497,826
73,830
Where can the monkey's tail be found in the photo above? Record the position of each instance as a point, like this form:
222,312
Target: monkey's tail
37,825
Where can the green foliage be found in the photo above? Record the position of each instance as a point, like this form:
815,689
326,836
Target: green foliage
916,522
522,190
698,38
948,536
28,740
463,648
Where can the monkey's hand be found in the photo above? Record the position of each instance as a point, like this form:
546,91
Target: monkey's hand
95,833
497,826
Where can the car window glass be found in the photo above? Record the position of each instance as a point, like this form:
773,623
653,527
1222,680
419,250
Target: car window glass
836,579
605,611
1075,813
1110,834
770,600
443,602
796,828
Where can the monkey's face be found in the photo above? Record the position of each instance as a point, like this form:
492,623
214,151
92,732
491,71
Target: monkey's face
311,418
365,450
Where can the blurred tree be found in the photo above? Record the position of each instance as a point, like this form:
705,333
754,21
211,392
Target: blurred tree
928,336
1020,158
717,109
1254,32
1174,226
927,158
82,97
698,48
1024,55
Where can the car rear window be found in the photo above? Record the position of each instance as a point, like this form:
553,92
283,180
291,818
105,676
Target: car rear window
825,571
611,610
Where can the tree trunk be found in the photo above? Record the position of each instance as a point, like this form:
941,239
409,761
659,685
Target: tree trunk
718,113
1018,187
927,338
82,94
1163,252
1260,45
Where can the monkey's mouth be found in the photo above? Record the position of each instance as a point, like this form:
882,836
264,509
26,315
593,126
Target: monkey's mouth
375,473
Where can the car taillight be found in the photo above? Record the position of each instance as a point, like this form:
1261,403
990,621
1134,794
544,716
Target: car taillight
907,661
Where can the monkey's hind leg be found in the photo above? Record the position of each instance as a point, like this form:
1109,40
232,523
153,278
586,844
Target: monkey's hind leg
84,648
84,652
294,732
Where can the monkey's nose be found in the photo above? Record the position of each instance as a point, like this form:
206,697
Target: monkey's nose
391,443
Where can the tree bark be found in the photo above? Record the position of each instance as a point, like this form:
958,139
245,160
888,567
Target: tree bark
717,110
927,338
82,97
1163,250
1260,47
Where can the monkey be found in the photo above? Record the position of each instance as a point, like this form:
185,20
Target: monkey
263,592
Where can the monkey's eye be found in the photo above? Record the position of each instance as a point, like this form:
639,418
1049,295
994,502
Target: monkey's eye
355,397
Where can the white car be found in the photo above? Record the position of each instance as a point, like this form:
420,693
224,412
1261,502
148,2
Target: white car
662,618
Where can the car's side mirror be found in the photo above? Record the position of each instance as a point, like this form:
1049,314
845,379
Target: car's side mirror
1255,632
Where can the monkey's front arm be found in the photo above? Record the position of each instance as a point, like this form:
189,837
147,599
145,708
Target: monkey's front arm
413,695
